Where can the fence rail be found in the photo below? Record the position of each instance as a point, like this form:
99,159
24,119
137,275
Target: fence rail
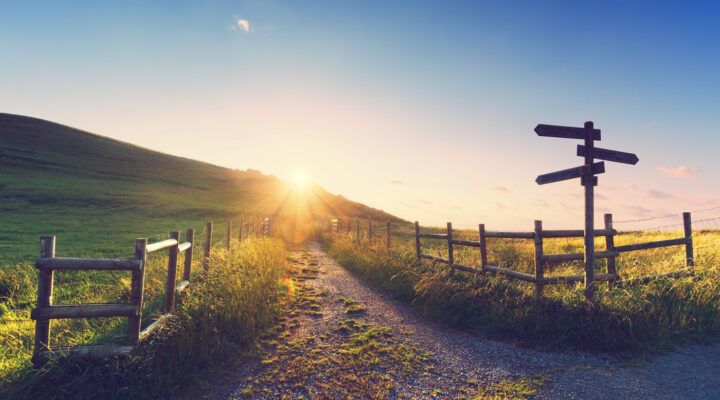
47,263
542,260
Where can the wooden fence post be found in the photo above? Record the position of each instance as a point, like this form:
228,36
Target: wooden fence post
44,298
610,247
208,244
370,230
357,234
349,227
172,273
137,286
417,240
539,262
483,246
387,235
242,225
229,232
189,237
689,257
451,258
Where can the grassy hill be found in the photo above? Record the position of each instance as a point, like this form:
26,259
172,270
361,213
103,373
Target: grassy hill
97,194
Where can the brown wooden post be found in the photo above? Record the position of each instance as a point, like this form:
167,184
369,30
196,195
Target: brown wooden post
387,236
208,245
483,246
227,236
451,258
689,253
610,247
370,230
172,274
44,299
357,234
589,183
539,262
242,225
137,287
417,240
349,227
189,237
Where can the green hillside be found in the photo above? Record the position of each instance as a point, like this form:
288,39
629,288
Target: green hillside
97,194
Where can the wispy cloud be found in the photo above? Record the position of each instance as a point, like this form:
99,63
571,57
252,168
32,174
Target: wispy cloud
682,171
242,25
498,188
656,194
397,182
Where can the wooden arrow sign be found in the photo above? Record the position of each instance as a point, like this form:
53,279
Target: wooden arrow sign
609,155
567,132
570,173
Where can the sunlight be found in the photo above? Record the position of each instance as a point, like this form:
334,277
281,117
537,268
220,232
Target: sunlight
300,179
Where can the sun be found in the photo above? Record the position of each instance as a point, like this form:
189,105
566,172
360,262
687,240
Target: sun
300,179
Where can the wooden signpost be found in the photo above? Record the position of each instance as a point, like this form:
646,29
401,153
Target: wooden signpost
587,173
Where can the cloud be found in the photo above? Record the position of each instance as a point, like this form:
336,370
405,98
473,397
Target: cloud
682,172
629,186
656,194
500,188
499,205
424,201
397,182
243,25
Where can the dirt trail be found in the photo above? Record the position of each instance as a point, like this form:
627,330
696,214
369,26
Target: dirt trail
320,356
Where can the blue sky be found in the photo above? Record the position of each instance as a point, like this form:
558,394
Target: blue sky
423,109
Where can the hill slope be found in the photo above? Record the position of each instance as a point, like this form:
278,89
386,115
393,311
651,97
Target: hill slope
92,191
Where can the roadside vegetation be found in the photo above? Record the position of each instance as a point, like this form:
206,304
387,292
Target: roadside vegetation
643,318
217,321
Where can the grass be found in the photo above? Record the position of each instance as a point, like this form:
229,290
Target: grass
97,195
218,320
645,318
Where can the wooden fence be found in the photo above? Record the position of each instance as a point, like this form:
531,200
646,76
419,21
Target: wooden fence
47,264
338,225
542,260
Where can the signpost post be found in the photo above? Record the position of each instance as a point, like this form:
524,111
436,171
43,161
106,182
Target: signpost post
586,173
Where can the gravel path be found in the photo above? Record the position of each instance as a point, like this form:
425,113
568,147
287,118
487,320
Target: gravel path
461,362
688,373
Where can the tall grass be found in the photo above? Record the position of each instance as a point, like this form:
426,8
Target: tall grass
642,318
217,320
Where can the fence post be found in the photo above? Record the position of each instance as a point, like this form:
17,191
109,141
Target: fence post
189,237
44,298
227,236
370,230
137,287
242,225
450,247
208,244
417,239
539,262
357,234
687,223
483,246
172,273
609,247
349,227
387,236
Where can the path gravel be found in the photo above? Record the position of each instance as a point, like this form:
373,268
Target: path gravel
462,361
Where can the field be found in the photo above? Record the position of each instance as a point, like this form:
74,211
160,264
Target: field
97,195
652,317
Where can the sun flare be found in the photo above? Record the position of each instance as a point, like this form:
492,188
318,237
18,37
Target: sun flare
300,179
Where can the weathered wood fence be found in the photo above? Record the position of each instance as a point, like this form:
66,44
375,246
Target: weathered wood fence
542,260
48,263
337,225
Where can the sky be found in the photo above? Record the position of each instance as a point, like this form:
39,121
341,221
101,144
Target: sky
424,109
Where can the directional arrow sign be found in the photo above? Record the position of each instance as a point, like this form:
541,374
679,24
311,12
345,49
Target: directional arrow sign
570,173
609,155
567,132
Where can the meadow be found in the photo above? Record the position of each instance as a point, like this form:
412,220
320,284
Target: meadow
636,319
218,320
